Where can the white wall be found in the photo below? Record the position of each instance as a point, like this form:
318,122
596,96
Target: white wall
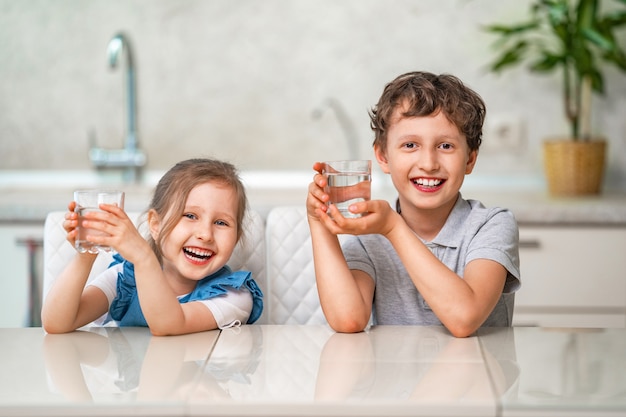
239,79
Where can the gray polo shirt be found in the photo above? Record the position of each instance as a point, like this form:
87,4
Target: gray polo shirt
470,232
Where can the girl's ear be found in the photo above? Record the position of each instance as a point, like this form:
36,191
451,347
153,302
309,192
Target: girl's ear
381,158
154,224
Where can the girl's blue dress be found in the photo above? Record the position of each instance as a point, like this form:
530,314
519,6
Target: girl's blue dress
125,307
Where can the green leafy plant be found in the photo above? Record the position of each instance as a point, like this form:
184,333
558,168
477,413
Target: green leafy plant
574,37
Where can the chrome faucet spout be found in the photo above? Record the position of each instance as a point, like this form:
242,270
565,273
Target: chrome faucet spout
349,131
131,158
117,45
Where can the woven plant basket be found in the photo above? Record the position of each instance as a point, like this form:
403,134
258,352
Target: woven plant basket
574,168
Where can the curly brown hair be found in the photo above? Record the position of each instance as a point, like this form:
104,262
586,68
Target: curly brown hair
174,187
426,94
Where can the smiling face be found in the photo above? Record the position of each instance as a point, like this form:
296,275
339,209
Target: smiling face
427,158
203,239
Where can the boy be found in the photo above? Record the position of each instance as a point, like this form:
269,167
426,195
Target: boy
437,259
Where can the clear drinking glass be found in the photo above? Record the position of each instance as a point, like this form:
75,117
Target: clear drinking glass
348,182
87,201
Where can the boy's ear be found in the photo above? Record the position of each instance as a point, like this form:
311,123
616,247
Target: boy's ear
471,162
154,224
381,158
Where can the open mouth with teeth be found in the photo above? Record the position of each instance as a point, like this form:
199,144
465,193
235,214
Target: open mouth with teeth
428,184
197,255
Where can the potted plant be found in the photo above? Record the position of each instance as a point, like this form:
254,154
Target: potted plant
575,38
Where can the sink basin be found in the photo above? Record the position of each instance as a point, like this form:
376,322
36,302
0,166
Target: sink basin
30,194
29,179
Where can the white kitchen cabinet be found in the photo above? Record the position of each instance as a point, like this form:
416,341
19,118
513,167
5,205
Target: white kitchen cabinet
16,271
572,276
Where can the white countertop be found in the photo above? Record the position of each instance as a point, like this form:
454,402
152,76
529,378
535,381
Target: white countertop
29,196
104,371
310,370
263,370
557,371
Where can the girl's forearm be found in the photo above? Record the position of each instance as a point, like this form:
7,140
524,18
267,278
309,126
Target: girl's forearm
159,302
60,308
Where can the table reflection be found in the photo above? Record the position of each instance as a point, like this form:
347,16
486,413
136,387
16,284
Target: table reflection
311,370
582,369
418,364
263,362
124,364
499,352
232,364
313,364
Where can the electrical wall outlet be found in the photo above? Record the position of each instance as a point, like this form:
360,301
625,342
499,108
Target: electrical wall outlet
503,132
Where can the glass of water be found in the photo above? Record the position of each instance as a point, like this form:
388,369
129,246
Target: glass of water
90,200
348,182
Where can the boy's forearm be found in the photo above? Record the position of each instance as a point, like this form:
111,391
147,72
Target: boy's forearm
449,296
340,296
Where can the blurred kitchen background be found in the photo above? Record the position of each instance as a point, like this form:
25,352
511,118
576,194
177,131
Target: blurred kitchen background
270,84
273,86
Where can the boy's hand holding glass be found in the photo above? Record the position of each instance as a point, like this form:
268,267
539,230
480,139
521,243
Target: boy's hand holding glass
347,182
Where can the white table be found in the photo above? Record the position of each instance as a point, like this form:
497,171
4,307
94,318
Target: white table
101,372
558,372
310,370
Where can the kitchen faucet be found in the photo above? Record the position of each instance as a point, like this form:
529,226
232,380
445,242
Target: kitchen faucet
131,158
344,121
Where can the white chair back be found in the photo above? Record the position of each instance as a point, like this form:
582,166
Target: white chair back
292,297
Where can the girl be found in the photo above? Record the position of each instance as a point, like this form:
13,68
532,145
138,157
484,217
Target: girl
176,281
